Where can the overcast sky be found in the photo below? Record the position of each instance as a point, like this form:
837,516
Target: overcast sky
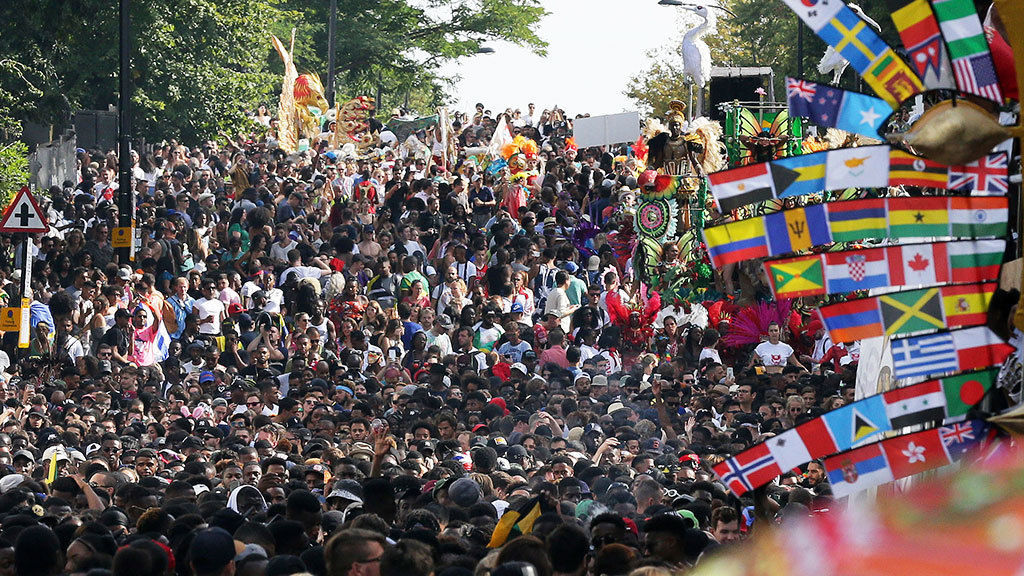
594,47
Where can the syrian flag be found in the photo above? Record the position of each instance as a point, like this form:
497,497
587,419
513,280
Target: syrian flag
915,404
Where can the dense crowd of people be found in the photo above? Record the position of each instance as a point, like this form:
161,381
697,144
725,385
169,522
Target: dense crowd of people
333,365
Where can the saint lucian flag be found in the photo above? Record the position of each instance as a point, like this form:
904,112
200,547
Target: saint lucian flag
860,423
837,108
903,456
926,52
908,312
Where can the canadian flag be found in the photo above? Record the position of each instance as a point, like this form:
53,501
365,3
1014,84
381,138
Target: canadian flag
918,264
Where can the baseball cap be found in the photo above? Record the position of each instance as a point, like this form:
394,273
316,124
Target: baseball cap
235,308
520,367
205,377
517,308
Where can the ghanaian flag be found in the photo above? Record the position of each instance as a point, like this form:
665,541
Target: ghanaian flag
517,521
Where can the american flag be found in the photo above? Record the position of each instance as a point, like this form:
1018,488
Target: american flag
988,174
801,89
977,75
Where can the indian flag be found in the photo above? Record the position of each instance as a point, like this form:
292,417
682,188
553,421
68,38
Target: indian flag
979,217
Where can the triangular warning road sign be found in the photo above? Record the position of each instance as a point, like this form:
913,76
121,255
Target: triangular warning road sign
23,215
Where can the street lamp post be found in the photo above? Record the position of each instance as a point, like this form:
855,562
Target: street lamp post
125,190
332,24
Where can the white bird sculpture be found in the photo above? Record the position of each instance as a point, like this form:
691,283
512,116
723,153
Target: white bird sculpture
695,52
833,62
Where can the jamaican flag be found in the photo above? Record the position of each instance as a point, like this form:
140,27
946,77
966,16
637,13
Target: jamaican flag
519,521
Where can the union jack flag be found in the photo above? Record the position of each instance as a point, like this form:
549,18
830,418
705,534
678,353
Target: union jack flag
801,89
962,437
956,433
987,175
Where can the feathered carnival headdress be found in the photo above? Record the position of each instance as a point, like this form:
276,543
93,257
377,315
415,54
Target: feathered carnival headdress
520,145
570,144
749,325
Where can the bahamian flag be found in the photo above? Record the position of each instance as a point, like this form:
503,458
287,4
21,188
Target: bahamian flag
837,108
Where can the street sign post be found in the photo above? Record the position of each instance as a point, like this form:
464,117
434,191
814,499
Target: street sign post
23,217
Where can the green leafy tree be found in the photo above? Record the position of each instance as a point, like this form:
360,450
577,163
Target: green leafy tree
13,154
197,64
397,47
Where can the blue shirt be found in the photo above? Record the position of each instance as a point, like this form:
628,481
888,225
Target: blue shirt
181,309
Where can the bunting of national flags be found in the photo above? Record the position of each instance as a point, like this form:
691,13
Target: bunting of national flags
965,39
903,456
931,354
936,322
839,26
908,312
862,167
942,400
855,220
909,265
922,39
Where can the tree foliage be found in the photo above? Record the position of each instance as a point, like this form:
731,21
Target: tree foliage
198,65
13,154
398,46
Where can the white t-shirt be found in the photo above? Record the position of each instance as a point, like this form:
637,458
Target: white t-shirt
774,354
710,353
206,309
280,253
301,272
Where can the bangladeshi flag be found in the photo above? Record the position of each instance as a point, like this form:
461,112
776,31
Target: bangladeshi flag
966,390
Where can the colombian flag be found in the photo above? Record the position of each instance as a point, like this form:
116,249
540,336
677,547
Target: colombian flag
736,241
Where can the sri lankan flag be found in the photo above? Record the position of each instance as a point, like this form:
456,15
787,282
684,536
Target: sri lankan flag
910,170
795,277
518,521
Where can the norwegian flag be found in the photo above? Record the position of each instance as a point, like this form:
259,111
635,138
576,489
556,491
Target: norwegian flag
748,469
801,89
988,175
